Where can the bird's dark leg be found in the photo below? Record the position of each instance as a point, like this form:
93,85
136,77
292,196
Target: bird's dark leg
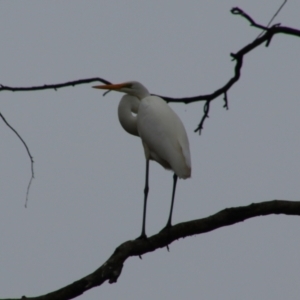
169,223
146,190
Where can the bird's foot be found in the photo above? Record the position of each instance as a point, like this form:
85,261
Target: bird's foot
143,236
167,227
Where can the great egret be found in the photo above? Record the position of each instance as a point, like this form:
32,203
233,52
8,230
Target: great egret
163,135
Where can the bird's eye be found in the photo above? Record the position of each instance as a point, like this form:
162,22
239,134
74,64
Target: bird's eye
129,85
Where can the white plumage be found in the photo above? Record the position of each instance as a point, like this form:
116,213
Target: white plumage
162,133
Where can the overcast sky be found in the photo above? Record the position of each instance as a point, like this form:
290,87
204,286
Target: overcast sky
87,196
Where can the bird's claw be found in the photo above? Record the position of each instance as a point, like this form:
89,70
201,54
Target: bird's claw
142,237
167,227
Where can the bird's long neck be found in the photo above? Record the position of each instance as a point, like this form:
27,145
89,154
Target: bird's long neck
127,106
140,92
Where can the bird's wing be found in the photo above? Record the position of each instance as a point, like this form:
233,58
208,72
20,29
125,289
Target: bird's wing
163,133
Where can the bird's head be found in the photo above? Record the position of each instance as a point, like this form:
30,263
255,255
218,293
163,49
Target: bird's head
132,88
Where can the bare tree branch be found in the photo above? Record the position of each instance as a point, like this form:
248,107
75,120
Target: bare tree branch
238,57
28,152
274,16
52,86
112,268
36,88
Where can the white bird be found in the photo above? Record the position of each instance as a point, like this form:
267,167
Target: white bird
162,133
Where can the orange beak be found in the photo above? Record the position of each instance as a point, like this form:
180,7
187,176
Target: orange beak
113,87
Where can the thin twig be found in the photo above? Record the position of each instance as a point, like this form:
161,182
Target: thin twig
240,12
206,108
274,16
28,152
36,88
52,86
226,106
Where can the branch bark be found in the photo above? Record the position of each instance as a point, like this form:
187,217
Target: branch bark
112,268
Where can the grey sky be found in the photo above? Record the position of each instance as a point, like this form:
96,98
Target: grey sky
87,195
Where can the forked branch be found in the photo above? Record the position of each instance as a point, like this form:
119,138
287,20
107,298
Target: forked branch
237,57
